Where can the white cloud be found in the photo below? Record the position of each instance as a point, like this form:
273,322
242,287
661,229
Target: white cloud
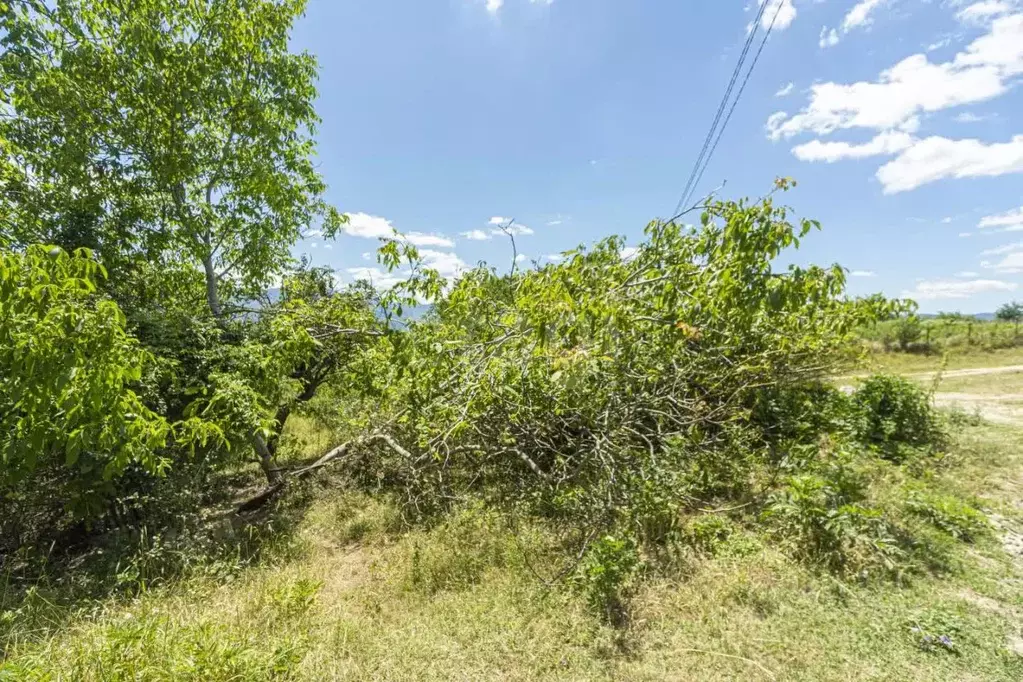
328,247
476,235
937,45
1002,250
629,252
828,38
449,265
521,258
946,220
498,220
785,10
885,143
368,226
982,12
1009,219
377,277
428,239
967,274
862,273
446,263
552,223
936,158
859,15
970,117
1011,263
965,234
554,257
785,90
367,256
514,229
933,290
375,227
311,234
913,86
493,6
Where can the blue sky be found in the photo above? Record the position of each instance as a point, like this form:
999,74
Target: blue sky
903,124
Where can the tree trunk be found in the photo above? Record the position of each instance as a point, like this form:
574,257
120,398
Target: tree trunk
212,296
264,451
266,459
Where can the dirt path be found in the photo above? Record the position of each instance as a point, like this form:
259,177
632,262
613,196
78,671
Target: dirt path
1001,409
974,372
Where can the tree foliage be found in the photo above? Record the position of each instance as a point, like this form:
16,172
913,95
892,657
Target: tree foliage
1011,312
66,370
164,132
620,390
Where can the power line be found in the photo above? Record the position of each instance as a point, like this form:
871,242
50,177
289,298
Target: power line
731,111
721,107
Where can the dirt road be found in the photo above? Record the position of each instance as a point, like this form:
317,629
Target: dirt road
975,372
1006,408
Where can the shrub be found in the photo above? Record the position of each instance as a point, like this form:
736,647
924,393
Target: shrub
822,519
605,575
908,331
890,411
708,533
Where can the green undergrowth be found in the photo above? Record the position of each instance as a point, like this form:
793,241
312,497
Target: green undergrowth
924,591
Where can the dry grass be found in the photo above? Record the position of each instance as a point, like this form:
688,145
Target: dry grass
359,598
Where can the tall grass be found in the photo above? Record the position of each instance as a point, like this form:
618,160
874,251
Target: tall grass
356,595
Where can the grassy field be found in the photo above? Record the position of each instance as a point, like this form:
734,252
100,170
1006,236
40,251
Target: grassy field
944,334
349,595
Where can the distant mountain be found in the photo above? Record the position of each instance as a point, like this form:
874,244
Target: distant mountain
983,317
416,312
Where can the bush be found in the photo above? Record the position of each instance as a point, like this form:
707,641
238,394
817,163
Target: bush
824,519
908,331
708,533
892,411
605,575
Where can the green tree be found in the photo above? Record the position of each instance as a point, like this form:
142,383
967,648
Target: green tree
175,139
66,367
163,130
908,330
313,335
1011,312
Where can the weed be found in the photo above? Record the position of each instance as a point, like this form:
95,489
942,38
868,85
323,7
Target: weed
294,598
948,513
458,552
605,575
936,631
823,524
708,533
